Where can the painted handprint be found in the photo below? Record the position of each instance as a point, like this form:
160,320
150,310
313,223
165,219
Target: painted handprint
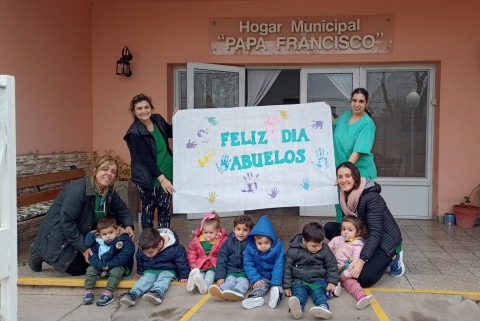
322,158
283,114
212,121
305,184
207,157
191,145
317,124
212,197
274,192
202,132
271,122
224,164
251,181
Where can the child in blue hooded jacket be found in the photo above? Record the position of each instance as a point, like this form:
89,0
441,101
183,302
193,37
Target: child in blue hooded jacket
263,262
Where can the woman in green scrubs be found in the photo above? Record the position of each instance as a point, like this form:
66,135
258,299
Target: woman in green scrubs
353,138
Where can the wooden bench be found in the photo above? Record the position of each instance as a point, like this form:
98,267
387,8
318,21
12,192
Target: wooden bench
32,207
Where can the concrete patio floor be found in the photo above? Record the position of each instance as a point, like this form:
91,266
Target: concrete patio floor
440,283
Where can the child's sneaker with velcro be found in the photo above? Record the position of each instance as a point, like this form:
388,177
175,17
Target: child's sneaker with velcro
128,299
321,312
153,297
105,298
88,297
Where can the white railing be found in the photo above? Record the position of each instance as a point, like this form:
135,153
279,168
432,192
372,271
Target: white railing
8,201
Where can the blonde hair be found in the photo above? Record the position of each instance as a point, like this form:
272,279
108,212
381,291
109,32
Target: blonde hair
103,161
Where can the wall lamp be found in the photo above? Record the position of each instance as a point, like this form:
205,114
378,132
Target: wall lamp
123,64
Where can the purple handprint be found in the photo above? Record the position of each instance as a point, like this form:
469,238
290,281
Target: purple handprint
274,192
191,145
317,124
250,180
202,133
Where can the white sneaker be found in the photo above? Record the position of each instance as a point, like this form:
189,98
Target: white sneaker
295,308
364,302
321,312
233,295
152,297
190,282
253,302
216,292
338,289
274,297
200,283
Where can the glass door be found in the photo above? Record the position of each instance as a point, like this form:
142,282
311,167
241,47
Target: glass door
400,101
212,86
334,86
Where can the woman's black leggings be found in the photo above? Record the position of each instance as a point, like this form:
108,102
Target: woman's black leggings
154,198
376,266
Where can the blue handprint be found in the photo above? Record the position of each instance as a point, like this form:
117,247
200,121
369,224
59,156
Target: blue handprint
224,164
322,160
212,121
317,124
274,192
305,184
191,144
250,180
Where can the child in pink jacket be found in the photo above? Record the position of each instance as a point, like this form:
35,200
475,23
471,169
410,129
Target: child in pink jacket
203,252
347,248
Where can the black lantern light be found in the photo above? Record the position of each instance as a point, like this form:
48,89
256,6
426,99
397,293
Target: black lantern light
123,64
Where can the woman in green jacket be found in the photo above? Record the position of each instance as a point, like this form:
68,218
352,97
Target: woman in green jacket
74,213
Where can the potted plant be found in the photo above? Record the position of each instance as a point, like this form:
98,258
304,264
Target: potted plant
465,213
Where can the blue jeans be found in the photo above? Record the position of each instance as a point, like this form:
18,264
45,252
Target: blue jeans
238,284
156,282
208,276
301,291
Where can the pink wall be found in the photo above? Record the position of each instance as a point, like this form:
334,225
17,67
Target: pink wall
46,45
168,32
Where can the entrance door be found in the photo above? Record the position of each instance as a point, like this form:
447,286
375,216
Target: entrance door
214,86
400,100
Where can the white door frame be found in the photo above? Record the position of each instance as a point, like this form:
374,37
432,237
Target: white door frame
8,200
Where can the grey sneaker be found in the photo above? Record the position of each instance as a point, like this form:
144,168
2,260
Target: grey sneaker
364,302
233,295
274,297
128,299
295,308
321,312
105,299
35,260
153,297
216,292
253,302
397,268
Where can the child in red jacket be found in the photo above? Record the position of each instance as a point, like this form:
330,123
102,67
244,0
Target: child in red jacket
203,251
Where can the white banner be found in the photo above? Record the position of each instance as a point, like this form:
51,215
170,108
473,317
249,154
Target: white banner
244,158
